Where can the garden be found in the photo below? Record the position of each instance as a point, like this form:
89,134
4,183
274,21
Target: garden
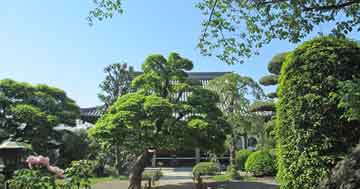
303,135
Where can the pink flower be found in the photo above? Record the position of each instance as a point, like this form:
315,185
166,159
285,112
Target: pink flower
37,161
41,161
57,171
44,161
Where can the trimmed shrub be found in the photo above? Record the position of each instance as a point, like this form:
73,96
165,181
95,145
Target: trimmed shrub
152,174
231,172
205,168
276,62
261,163
312,133
261,106
241,157
2,180
269,80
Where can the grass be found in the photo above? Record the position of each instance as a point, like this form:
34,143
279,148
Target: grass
221,178
225,178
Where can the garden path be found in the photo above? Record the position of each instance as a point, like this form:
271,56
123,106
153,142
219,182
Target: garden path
180,178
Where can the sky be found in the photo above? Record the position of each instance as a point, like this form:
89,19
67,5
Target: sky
50,42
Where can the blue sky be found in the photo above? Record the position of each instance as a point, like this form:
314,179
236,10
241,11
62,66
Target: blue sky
50,42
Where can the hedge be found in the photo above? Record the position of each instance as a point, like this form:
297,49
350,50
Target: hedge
312,133
205,168
276,62
241,157
269,80
261,163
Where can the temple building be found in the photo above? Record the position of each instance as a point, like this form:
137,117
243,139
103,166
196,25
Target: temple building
181,157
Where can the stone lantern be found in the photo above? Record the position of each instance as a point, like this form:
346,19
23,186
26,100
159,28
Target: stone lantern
11,157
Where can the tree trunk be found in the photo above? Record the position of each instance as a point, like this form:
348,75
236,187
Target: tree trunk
117,159
246,145
232,150
137,170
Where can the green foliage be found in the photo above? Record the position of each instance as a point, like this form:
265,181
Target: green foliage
79,174
261,106
269,80
346,173
116,83
232,172
276,62
349,97
34,110
312,134
236,93
2,180
154,175
75,146
159,115
272,95
261,163
27,178
205,168
104,9
234,30
241,157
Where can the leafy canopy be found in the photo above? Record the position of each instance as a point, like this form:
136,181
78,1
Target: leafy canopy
236,29
236,93
312,132
117,82
159,115
34,110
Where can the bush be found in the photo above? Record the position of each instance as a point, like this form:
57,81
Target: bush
241,157
312,132
205,168
154,175
261,163
232,173
2,180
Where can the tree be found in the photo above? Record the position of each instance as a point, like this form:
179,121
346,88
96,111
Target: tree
117,83
236,93
267,107
312,132
74,147
236,29
30,113
167,111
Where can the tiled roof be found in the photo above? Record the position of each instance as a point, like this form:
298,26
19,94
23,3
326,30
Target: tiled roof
92,111
201,76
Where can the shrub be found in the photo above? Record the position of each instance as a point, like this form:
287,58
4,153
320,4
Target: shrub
2,180
241,157
232,173
312,133
261,163
205,168
154,175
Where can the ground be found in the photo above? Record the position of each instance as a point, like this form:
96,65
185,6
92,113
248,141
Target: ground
180,178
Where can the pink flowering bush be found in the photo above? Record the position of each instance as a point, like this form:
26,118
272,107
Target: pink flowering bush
42,175
44,162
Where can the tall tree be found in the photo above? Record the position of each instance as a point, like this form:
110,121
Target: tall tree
236,29
168,111
236,94
117,82
30,112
